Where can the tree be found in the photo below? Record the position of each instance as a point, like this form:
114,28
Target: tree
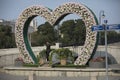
79,32
112,37
7,39
69,33
66,29
73,31
45,33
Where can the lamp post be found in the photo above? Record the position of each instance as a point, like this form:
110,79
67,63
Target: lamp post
101,16
105,22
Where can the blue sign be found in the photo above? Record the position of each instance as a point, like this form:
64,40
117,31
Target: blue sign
109,27
113,27
98,28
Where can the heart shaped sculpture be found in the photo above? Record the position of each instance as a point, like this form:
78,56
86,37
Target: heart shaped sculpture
53,17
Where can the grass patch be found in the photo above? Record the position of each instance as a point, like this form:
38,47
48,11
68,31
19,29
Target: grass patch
69,66
30,65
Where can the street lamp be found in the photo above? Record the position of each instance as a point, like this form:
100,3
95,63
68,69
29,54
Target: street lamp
105,23
101,16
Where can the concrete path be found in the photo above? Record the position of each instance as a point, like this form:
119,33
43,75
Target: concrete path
4,76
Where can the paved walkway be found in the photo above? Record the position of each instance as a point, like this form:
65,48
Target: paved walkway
4,76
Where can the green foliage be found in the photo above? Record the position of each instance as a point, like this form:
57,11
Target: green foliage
74,32
45,33
69,33
69,66
7,39
63,53
42,54
112,37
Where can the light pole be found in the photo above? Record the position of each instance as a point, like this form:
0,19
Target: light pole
101,16
105,22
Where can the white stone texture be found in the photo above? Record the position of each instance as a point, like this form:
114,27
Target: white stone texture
52,17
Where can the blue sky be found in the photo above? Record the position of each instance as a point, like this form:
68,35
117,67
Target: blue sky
10,9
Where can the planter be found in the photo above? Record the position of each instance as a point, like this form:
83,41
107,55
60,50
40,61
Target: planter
42,61
63,62
18,63
97,64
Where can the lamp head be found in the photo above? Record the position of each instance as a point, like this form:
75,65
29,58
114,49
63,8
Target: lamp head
103,15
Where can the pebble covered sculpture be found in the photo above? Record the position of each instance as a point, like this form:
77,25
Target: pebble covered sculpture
54,17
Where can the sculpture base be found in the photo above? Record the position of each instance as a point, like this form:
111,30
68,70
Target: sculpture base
97,64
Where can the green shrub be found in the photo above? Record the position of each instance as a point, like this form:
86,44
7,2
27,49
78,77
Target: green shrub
42,54
63,53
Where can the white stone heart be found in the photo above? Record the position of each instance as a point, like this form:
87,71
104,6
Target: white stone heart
53,18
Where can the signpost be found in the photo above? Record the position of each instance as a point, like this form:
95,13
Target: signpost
106,28
98,28
113,27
